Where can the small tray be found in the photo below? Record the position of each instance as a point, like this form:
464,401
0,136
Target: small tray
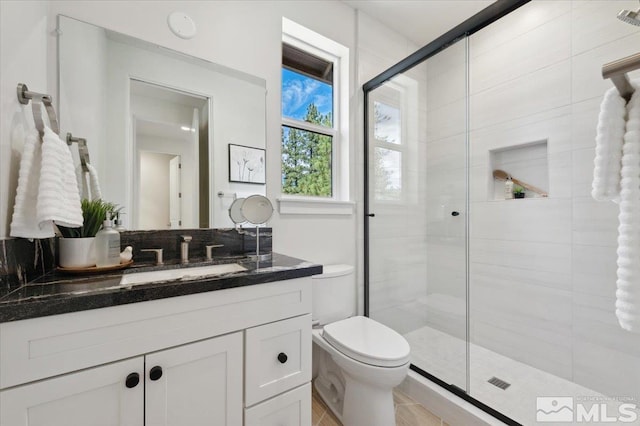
94,269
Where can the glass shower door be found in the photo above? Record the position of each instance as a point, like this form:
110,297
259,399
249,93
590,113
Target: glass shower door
417,192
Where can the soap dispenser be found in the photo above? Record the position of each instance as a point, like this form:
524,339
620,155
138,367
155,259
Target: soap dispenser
508,189
118,223
107,245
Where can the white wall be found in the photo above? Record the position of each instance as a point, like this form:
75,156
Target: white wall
83,93
245,35
23,59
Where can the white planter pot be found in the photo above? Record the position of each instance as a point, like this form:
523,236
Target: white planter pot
77,252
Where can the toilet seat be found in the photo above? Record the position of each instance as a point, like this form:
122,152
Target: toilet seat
368,341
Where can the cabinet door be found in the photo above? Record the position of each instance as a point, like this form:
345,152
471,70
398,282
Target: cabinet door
98,397
199,384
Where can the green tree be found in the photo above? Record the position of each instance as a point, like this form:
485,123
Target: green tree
306,157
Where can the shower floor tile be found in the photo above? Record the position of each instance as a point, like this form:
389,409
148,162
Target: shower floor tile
444,356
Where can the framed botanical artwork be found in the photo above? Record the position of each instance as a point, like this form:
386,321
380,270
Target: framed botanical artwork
247,164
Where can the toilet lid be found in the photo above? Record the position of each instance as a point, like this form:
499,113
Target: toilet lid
368,341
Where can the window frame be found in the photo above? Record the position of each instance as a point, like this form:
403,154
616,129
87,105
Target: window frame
315,44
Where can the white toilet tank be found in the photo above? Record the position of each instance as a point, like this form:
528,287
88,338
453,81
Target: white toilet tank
334,294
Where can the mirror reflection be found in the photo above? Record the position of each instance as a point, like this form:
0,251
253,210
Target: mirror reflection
171,134
158,124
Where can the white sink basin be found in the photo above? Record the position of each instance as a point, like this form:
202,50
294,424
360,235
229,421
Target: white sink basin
180,274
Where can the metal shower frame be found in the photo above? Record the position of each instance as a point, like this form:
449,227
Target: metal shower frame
472,25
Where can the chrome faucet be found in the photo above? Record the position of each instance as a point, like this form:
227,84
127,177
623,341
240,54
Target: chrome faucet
209,250
158,253
184,248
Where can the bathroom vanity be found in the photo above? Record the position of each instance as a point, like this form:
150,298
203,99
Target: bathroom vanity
231,349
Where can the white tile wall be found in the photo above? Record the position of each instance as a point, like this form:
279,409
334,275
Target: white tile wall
446,73
532,93
586,78
525,20
543,273
446,120
535,220
594,23
510,60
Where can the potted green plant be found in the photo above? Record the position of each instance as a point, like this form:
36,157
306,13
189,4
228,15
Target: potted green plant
518,191
76,247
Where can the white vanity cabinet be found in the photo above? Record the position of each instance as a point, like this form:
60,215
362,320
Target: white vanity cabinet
228,357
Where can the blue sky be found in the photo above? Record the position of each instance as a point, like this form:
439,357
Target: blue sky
298,91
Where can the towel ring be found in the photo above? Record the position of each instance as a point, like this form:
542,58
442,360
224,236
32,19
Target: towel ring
25,95
36,109
51,112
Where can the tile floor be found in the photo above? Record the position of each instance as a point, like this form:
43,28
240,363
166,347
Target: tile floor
444,356
408,413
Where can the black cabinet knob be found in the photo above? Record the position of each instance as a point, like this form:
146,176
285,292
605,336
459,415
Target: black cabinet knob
132,380
155,373
455,213
282,357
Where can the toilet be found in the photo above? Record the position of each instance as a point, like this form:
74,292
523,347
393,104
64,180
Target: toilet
357,361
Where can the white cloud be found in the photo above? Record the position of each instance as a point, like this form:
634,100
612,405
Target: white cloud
297,93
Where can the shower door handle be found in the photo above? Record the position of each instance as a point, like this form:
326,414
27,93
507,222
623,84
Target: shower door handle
371,215
454,213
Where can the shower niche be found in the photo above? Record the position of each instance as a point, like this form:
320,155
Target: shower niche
528,166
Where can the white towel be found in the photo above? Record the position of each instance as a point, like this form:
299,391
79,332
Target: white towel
609,139
24,222
628,283
58,197
90,191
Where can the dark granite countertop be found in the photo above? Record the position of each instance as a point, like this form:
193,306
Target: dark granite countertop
58,293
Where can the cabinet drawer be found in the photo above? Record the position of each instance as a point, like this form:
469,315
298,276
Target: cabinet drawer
278,358
292,408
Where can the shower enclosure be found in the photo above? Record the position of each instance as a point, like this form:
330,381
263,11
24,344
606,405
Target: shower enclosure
507,302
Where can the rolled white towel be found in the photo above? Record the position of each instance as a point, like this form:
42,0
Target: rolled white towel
609,140
83,187
58,197
90,191
628,283
94,183
24,222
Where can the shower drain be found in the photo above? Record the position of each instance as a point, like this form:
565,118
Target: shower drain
499,383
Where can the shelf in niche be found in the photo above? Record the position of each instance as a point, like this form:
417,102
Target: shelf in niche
527,162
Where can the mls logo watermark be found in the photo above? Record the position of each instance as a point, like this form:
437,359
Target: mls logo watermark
554,409
558,409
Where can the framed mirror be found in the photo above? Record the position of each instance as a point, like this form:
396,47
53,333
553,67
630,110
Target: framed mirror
158,124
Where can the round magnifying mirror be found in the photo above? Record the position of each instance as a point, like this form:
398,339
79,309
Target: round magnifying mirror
256,209
235,211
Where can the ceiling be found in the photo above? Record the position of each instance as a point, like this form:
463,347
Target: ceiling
421,21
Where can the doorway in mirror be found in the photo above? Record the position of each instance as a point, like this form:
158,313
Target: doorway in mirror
170,148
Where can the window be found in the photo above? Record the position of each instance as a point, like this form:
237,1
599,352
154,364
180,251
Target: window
314,143
388,150
394,127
